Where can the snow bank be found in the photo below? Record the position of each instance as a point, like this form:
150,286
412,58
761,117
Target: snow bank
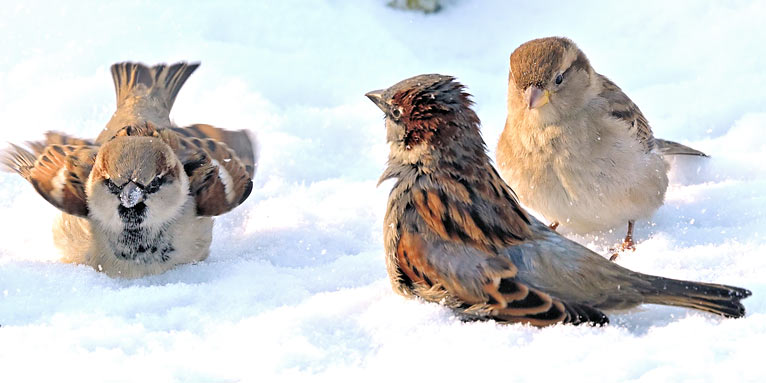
295,285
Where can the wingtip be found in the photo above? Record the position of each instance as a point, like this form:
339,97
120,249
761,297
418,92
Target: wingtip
255,146
16,159
583,314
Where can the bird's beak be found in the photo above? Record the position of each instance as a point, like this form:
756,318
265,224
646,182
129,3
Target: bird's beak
536,97
131,195
376,96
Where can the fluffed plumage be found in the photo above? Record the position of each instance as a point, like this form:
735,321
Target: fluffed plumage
455,233
575,148
139,198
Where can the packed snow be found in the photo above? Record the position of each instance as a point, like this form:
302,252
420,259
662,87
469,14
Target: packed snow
295,286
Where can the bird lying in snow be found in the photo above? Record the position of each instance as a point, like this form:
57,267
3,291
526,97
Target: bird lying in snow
139,199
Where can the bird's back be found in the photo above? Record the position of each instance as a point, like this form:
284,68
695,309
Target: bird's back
145,94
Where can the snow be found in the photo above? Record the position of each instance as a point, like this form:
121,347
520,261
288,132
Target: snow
296,286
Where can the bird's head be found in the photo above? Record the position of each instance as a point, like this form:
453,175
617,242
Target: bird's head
550,77
136,181
428,118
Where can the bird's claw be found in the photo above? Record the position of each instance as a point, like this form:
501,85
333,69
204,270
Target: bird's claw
627,244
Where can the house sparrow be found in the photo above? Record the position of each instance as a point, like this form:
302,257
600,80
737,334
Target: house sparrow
455,233
139,199
575,148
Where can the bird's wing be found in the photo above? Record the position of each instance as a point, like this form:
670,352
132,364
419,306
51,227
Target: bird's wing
58,172
480,285
219,179
238,140
57,138
482,212
621,107
449,253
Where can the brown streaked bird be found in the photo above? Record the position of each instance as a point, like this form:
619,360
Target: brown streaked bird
140,198
455,234
575,148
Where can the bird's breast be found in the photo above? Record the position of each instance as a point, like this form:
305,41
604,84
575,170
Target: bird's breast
143,246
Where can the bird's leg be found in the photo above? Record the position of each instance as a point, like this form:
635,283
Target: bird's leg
554,225
628,243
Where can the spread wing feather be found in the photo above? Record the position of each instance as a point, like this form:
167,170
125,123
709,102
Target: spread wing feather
238,140
218,179
58,172
57,138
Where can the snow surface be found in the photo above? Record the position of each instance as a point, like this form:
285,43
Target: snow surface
295,286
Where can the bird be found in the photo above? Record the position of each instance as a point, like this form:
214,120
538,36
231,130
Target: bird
139,198
575,148
455,233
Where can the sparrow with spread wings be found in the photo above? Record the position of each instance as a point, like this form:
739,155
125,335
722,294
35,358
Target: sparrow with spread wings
454,232
139,199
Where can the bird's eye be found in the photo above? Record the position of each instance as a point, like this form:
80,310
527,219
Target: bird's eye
396,113
559,79
154,185
114,189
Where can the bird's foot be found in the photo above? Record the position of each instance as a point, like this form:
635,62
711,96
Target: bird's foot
554,225
627,244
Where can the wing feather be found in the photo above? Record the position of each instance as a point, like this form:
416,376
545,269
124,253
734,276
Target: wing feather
451,253
483,213
501,296
219,180
58,173
623,108
242,143
57,138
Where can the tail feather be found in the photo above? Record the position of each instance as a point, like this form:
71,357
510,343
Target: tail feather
674,148
161,81
718,299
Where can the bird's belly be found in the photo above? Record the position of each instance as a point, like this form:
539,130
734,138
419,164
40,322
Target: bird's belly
593,194
134,253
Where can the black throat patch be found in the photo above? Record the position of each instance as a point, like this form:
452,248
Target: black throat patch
139,244
132,217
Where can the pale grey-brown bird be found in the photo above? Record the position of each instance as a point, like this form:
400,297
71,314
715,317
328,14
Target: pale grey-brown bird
140,198
455,234
575,148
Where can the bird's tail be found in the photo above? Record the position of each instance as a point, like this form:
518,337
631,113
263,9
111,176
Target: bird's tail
674,148
719,299
161,82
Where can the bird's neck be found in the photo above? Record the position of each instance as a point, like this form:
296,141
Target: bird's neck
135,112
